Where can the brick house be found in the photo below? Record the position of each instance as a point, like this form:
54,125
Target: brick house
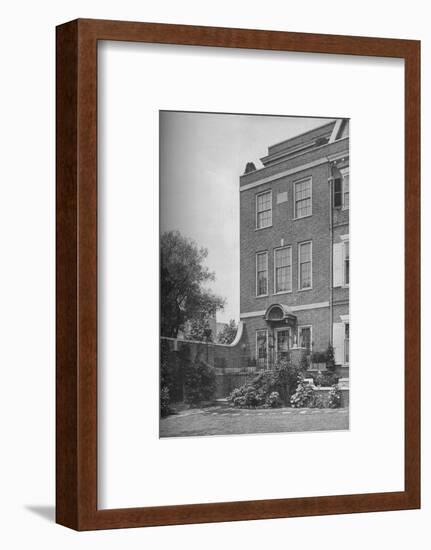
294,248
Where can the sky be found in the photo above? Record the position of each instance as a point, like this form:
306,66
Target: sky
202,156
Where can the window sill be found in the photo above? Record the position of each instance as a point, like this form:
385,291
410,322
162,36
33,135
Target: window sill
262,228
302,217
262,296
305,289
283,292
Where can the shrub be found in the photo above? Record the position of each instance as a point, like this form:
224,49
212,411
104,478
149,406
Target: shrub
273,400
170,371
330,358
246,396
305,361
165,409
318,357
318,401
281,381
304,395
199,382
334,401
325,379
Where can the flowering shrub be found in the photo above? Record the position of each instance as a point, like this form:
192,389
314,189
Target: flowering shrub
247,396
318,401
334,401
269,388
273,400
304,395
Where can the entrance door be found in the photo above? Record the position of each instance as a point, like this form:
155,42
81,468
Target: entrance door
282,336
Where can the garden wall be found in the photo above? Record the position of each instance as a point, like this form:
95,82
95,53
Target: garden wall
231,361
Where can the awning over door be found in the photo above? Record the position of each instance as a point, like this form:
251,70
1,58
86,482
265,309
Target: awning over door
280,313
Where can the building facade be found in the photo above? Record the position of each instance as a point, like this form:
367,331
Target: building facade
294,248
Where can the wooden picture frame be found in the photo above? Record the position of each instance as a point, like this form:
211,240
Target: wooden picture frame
76,208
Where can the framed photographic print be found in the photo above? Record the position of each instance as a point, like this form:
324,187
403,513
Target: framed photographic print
238,274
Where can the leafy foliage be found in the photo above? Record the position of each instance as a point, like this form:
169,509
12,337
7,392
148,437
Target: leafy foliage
200,330
199,382
318,357
305,361
269,388
183,276
334,401
304,395
325,379
330,357
228,333
165,408
273,400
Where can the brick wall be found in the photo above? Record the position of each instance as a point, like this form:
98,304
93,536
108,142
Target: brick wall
231,362
317,318
314,228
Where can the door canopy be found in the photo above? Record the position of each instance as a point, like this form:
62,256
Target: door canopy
277,313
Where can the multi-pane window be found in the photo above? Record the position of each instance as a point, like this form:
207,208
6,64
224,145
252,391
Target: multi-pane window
283,269
346,185
261,346
262,274
346,263
346,342
264,210
341,192
305,265
282,343
305,338
303,198
338,192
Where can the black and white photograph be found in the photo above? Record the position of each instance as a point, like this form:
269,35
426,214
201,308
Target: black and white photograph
255,274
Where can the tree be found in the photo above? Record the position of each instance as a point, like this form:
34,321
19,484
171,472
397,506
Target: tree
228,333
183,276
200,330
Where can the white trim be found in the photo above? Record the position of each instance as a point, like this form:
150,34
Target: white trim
267,274
336,129
299,266
346,363
256,211
234,343
260,313
344,242
311,164
294,184
344,172
345,318
333,121
280,175
304,307
311,335
338,156
289,246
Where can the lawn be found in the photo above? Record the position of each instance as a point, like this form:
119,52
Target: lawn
222,420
